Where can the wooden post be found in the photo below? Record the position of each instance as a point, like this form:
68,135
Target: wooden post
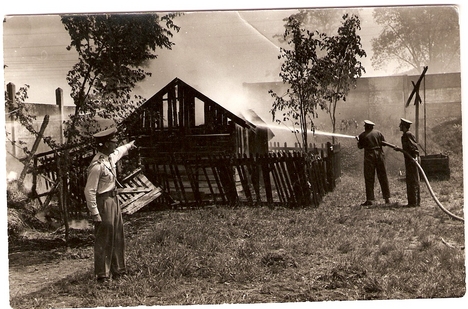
425,117
418,100
11,90
59,102
416,125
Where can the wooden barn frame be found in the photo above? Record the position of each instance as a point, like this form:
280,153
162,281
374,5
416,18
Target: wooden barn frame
194,152
180,119
179,124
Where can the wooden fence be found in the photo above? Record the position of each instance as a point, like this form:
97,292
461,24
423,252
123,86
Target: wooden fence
329,152
66,187
290,179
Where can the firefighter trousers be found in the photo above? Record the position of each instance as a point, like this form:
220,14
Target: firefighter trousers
374,162
412,183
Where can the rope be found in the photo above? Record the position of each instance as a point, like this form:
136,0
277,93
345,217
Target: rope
427,183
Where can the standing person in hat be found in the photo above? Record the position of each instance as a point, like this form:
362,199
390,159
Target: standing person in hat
101,199
410,146
374,161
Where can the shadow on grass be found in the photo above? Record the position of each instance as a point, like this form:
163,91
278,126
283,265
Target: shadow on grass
395,205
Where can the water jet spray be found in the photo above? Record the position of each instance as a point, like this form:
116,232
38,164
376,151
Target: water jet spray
315,132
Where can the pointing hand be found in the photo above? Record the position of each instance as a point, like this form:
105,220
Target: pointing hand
132,144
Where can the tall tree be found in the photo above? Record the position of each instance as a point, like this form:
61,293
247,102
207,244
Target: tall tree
112,50
319,70
301,72
416,37
341,64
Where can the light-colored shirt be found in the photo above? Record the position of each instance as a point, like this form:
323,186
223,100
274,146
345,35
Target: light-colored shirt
102,175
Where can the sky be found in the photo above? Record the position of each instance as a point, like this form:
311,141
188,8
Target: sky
215,52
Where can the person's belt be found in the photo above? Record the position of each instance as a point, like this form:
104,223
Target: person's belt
111,193
374,148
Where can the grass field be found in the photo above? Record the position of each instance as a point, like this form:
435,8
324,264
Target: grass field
247,255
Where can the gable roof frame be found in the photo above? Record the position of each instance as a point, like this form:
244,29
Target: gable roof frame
197,94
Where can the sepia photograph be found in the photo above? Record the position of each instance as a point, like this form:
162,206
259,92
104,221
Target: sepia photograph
289,154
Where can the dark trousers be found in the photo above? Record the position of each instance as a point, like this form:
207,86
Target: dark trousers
412,182
374,161
109,245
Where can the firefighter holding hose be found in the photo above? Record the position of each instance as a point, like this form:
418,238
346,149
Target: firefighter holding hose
410,146
413,169
374,162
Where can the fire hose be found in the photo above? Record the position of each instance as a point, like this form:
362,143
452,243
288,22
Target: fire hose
426,181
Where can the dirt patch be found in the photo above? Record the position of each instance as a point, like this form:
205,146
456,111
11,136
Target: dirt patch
39,259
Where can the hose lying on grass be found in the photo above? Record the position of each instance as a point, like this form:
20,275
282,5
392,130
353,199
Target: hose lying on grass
427,183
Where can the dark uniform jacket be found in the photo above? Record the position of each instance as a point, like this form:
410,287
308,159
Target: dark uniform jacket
370,140
409,144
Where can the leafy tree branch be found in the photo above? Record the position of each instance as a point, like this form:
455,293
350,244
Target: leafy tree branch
422,36
319,70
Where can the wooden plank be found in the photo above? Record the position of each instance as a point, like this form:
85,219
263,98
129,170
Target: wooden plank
243,179
165,180
265,167
142,201
276,181
248,177
136,193
295,179
193,180
284,177
283,180
208,181
170,111
321,179
216,175
178,180
253,171
227,179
